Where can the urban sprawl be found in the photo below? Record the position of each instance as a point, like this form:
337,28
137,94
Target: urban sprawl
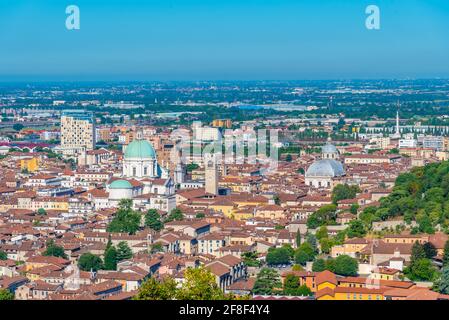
301,190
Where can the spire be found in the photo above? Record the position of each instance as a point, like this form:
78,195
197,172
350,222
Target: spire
398,133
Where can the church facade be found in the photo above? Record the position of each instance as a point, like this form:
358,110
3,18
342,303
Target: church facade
143,180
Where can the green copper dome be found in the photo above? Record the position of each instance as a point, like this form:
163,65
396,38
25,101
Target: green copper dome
140,149
120,184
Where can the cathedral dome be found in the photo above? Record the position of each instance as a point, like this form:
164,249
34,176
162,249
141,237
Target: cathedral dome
140,149
325,168
120,184
329,148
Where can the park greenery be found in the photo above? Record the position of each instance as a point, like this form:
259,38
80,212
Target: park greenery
3,255
199,284
5,294
54,250
421,195
343,192
90,262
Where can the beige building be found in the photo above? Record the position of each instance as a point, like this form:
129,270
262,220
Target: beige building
77,132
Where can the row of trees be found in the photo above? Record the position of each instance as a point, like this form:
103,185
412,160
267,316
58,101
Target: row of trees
112,255
128,220
199,284
308,251
268,282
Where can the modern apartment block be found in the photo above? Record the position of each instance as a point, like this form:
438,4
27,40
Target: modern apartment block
77,132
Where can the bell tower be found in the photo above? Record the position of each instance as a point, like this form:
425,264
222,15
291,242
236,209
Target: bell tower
211,175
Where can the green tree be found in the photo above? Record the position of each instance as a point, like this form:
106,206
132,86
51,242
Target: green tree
250,259
175,214
298,238
276,256
54,250
153,289
292,287
192,166
354,208
304,253
344,265
297,267
356,229
123,251
344,191
418,252
321,233
446,254
153,220
89,261
157,247
3,255
41,212
422,269
319,265
5,294
110,258
430,250
324,215
443,283
277,200
326,245
199,284
126,219
17,127
267,281
291,283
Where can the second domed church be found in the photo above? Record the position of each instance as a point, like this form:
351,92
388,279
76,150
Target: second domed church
324,172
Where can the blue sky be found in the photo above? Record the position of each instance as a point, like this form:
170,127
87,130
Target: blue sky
223,39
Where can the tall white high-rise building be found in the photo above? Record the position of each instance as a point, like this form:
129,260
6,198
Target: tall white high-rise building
77,132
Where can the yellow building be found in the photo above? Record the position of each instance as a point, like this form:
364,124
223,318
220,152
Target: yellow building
30,165
348,293
350,247
358,294
60,204
224,206
325,280
222,123
244,213
383,273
